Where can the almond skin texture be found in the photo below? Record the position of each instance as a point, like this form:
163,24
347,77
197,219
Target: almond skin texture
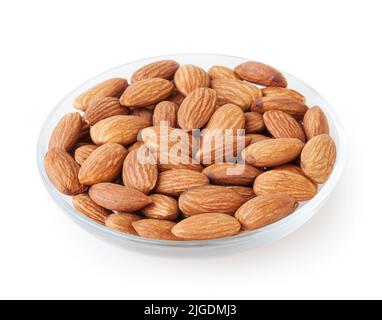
67,132
253,122
104,108
145,114
103,165
86,206
318,158
236,92
147,92
294,184
118,198
190,77
261,74
174,182
122,222
83,152
272,152
256,137
117,129
197,109
282,125
210,199
207,226
162,207
228,116
294,107
264,210
164,69
155,229
246,192
135,146
166,112
315,123
109,88
62,171
138,175
221,72
177,98
282,92
231,174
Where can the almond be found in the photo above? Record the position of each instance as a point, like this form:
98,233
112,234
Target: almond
155,229
246,192
162,207
261,74
231,174
265,210
253,122
117,129
165,112
221,72
135,146
140,170
67,132
104,108
274,181
209,199
86,206
272,152
290,168
318,158
282,125
62,171
190,77
177,98
315,123
256,137
174,182
146,92
122,222
236,92
282,92
169,161
228,116
292,106
145,114
83,152
164,69
108,88
118,198
207,226
103,165
196,109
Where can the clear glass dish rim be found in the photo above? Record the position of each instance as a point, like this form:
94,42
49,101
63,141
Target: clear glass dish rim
311,205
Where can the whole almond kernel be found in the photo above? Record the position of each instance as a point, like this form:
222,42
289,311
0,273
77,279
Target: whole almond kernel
265,210
315,123
174,182
228,116
261,74
84,133
67,132
253,122
103,165
196,109
236,92
318,158
207,226
294,184
272,152
162,207
231,174
292,106
221,72
282,125
155,229
117,129
62,171
104,108
165,112
83,152
189,77
118,198
172,161
140,170
290,168
145,114
135,146
282,92
122,222
164,69
177,98
246,192
210,199
254,137
86,206
147,92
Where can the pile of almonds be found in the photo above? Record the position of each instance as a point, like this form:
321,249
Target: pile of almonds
287,152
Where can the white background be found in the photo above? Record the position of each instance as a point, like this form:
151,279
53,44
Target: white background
47,48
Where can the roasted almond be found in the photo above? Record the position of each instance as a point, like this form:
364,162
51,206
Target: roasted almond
83,152
86,206
292,106
253,122
104,108
315,123
67,132
155,229
282,92
164,69
221,72
228,116
162,207
189,77
166,112
246,192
